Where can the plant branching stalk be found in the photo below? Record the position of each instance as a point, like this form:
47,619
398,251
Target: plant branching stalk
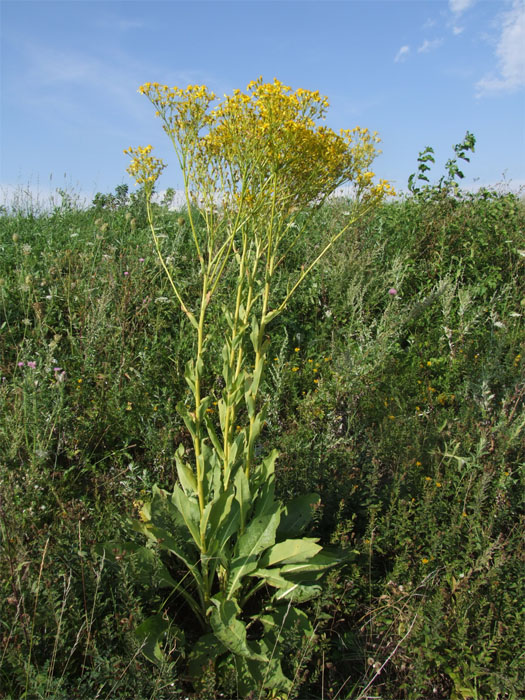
261,165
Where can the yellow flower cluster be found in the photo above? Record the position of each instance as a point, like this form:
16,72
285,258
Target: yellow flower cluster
144,167
264,143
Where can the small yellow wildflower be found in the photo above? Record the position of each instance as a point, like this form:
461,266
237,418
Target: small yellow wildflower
418,464
295,369
424,560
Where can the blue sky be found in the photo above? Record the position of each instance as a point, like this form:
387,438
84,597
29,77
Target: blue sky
419,72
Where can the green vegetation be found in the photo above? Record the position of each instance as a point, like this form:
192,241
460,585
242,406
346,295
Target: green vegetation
395,390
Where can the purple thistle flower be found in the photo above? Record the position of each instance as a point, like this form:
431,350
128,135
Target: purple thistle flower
392,291
31,364
21,364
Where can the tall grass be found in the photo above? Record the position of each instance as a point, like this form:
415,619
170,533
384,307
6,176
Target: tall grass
404,411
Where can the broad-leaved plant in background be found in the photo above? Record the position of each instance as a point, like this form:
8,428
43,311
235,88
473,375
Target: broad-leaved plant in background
255,166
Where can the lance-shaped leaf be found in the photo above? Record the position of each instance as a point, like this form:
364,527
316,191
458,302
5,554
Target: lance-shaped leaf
189,509
291,552
298,593
215,514
185,473
258,536
260,532
230,630
297,514
319,563
213,434
189,375
188,419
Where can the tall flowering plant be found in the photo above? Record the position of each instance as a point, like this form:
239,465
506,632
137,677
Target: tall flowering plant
254,166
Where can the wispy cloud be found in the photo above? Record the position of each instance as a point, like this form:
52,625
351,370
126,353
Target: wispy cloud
427,45
510,54
459,6
402,54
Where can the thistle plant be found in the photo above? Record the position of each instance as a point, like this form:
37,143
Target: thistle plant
255,167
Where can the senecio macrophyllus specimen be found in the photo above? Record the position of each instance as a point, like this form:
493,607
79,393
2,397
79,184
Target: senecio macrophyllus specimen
256,167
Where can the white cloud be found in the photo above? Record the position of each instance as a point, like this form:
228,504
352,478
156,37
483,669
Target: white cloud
427,45
510,53
457,30
402,54
459,6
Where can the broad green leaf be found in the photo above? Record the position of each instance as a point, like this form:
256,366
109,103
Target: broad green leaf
239,568
269,675
149,634
204,652
285,618
186,476
291,552
215,514
298,593
297,514
168,543
260,532
254,335
272,577
258,536
213,435
228,526
318,563
189,375
189,509
242,493
230,630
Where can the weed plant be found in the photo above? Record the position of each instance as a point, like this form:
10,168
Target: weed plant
395,390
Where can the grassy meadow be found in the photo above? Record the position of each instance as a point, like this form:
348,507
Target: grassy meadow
395,390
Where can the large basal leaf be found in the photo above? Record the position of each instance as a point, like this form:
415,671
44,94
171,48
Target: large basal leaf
298,593
318,564
260,532
149,634
297,514
291,552
253,676
285,618
204,651
258,536
230,630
